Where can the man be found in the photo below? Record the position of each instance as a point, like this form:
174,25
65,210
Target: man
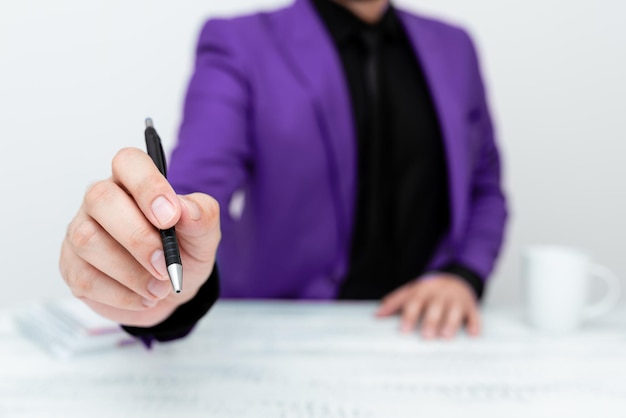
360,138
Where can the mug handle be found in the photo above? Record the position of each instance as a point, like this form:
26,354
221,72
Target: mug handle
614,289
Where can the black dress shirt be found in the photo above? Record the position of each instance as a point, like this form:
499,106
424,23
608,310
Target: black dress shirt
402,207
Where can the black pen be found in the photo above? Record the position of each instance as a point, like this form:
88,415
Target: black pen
168,236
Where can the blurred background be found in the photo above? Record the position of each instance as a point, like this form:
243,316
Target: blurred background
78,78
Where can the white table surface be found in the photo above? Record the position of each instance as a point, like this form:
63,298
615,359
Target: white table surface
260,359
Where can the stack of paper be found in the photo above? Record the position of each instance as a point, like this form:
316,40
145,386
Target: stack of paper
66,328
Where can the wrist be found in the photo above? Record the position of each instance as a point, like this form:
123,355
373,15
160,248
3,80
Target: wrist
464,274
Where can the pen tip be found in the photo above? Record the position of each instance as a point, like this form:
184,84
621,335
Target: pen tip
149,123
176,276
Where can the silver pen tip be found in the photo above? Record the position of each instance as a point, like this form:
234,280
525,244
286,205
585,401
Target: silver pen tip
175,272
149,123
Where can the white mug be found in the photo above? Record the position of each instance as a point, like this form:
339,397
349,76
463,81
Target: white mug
556,281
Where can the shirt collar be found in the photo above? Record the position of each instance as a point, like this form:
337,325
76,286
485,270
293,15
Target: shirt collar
343,25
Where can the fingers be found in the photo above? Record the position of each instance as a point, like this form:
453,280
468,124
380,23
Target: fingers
128,207
445,319
453,321
441,306
473,322
411,314
87,282
196,216
432,319
135,172
109,206
89,241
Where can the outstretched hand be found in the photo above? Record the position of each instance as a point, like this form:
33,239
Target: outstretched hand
112,255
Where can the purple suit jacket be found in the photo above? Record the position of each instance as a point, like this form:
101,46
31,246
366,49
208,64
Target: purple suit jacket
267,114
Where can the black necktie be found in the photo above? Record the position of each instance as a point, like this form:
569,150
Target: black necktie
373,160
371,245
371,42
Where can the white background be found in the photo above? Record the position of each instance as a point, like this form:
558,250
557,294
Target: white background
78,78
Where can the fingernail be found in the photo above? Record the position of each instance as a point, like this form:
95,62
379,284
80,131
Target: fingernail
149,303
158,262
405,328
159,288
194,209
163,210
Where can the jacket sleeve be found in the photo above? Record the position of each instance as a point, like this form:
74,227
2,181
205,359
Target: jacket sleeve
483,236
213,153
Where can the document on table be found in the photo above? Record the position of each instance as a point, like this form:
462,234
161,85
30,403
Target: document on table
317,360
66,328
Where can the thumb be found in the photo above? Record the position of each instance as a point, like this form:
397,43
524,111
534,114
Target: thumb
393,302
198,230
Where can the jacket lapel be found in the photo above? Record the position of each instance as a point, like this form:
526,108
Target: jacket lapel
309,50
431,51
